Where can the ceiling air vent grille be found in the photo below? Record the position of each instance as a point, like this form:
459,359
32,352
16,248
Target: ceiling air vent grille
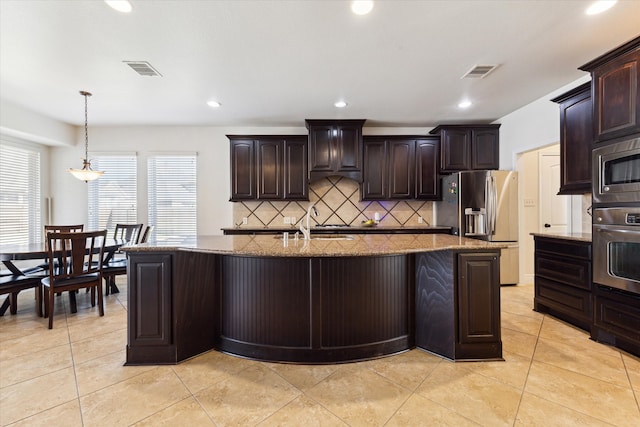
479,71
143,68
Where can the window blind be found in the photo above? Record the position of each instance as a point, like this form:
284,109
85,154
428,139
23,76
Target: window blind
20,207
172,197
113,198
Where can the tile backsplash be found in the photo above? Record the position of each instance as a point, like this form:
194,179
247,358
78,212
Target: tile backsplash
338,202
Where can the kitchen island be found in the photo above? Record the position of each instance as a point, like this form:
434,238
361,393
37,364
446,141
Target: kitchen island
335,299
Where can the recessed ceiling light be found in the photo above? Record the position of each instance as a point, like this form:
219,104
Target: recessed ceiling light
123,6
340,104
214,104
600,6
361,7
464,104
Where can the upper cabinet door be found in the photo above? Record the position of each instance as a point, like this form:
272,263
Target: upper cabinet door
455,150
400,168
485,149
426,164
616,81
243,179
348,147
296,185
321,148
374,170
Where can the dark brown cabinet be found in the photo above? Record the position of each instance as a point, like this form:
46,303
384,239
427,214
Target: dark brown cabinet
335,148
563,279
576,137
616,318
616,91
268,167
400,167
468,147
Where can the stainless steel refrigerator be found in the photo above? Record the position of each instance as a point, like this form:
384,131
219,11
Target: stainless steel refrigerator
484,205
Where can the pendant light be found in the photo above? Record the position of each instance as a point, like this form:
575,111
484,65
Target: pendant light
86,174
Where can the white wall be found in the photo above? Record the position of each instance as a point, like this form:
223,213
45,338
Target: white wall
24,124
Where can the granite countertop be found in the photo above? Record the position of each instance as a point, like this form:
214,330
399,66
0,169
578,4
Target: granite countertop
360,245
340,228
582,237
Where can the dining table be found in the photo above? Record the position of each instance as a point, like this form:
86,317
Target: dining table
10,253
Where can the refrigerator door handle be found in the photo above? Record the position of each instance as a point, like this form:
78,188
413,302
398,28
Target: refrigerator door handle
487,204
491,205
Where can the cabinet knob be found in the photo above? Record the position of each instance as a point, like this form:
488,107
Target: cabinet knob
547,226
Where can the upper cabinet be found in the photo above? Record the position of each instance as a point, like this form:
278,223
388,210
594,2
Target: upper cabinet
400,167
335,148
576,137
468,147
268,167
616,81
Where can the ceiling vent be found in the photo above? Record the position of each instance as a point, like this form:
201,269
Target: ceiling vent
479,71
143,68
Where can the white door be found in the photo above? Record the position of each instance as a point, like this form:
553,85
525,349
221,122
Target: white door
553,208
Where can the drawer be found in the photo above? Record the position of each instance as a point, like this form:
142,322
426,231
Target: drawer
575,303
569,271
620,318
563,248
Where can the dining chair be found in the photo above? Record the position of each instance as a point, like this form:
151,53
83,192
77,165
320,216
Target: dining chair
130,234
12,284
58,229
78,256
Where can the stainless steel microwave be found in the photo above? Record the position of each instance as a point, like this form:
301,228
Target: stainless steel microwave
616,172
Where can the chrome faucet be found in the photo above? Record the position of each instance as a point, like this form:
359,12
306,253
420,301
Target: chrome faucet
306,231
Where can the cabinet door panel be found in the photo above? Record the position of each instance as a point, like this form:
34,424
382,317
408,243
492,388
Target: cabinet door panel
455,149
321,147
401,154
269,169
374,170
243,186
426,163
484,149
348,149
576,126
296,185
617,109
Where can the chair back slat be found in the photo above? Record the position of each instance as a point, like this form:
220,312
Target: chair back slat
130,233
61,229
147,234
71,250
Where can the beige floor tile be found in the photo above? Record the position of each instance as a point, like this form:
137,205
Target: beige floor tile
246,397
303,411
30,397
408,369
584,394
105,371
206,369
419,411
527,324
557,330
596,364
632,365
34,364
479,398
33,342
98,325
187,412
99,345
133,400
303,376
512,371
519,343
359,396
68,414
534,409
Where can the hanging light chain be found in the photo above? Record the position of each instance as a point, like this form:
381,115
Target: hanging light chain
86,126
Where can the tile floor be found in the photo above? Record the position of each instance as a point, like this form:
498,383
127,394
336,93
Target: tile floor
73,375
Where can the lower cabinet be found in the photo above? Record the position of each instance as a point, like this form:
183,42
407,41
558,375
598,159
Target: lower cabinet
563,280
616,318
459,322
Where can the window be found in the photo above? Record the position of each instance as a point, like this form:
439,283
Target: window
113,197
172,197
20,212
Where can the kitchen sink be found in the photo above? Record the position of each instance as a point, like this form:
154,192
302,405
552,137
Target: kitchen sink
332,237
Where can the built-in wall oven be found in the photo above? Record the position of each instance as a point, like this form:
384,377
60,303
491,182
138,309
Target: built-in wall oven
616,172
616,247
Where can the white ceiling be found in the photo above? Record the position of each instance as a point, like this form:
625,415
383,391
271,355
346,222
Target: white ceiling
275,63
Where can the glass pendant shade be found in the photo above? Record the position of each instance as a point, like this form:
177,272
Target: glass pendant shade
85,174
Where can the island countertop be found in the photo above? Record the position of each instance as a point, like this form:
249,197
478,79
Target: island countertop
581,237
324,246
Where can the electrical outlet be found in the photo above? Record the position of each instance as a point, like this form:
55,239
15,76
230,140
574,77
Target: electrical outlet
287,220
419,220
529,203
245,221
